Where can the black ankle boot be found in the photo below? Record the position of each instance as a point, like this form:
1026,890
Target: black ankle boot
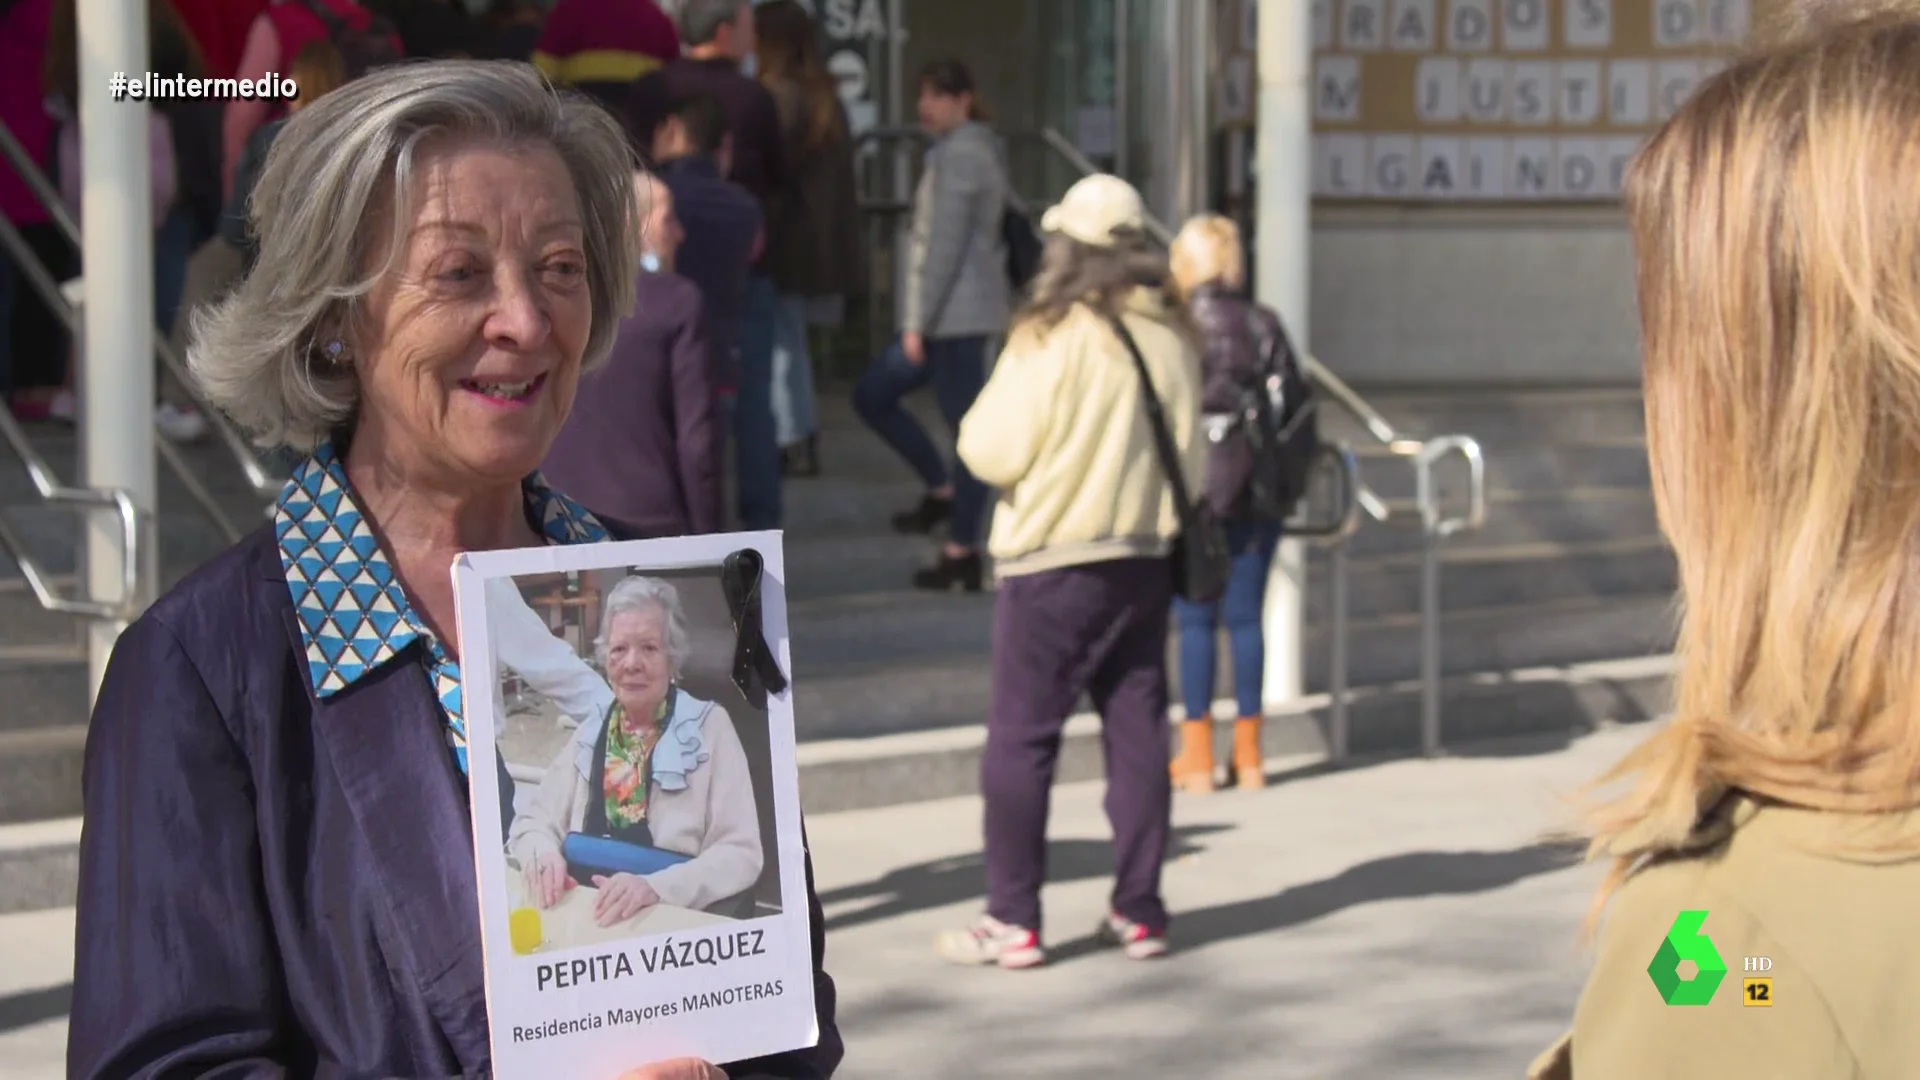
921,520
802,459
963,571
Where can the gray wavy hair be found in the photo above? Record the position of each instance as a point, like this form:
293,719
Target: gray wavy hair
337,172
647,594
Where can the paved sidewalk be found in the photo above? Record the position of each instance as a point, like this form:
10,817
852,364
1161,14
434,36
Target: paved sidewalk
1397,920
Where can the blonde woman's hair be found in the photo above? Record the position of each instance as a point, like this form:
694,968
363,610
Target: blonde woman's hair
1778,251
1208,250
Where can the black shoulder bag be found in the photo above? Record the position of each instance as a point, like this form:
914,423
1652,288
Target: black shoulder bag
1200,558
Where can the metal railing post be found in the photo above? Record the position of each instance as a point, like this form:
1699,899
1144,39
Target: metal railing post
1337,677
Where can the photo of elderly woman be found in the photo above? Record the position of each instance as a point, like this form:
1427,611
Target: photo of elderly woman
635,794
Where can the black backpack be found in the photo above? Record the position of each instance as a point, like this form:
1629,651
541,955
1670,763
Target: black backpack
362,50
1281,423
1023,247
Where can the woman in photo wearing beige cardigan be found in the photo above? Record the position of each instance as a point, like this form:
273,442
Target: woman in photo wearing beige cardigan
662,769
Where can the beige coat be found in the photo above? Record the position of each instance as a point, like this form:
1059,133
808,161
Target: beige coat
1838,928
714,819
1061,430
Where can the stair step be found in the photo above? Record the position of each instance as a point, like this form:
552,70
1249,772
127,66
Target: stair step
47,693
820,567
1538,573
1496,417
40,771
1579,516
1519,468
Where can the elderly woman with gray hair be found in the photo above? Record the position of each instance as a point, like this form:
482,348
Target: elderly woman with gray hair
662,771
277,867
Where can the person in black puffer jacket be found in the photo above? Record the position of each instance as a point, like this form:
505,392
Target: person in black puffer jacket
1244,344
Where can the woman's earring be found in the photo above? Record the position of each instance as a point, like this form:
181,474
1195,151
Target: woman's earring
334,349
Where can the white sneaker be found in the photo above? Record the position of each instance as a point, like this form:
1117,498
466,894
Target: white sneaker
990,941
180,424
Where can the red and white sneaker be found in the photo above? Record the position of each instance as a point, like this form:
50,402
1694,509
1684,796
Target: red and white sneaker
990,941
1134,939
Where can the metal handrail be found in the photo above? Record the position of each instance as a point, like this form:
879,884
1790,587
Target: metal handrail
52,490
257,477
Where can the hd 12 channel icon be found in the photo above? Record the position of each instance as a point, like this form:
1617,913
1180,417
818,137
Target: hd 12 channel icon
1686,942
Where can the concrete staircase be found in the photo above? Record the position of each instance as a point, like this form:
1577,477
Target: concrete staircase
1569,569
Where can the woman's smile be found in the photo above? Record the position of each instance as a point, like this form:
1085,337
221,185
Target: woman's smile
506,395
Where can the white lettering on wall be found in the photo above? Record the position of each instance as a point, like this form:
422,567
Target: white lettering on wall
1577,92
1391,167
1726,22
1441,159
1674,81
1531,93
1676,23
1340,166
1410,24
1436,82
1486,90
1523,25
1580,169
1469,25
1336,89
1530,169
1484,173
1619,154
1589,23
1362,25
1629,92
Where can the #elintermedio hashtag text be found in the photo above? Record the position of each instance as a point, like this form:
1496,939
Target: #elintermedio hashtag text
149,87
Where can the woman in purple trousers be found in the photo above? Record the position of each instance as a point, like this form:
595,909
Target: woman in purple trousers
1080,542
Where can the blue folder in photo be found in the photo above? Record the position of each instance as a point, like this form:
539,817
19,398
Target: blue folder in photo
588,856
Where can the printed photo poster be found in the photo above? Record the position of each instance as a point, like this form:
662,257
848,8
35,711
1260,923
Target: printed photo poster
636,804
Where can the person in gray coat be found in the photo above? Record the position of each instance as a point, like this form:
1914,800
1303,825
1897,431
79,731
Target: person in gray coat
958,300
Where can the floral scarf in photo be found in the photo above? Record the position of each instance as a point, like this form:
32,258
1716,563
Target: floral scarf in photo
628,775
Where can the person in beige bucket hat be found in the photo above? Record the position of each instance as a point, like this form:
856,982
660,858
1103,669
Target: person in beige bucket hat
1096,211
1080,537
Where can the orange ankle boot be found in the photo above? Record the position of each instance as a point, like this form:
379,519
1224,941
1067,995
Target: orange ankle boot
1192,770
1249,768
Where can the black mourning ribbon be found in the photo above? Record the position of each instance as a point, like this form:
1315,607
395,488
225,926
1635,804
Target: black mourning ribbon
755,670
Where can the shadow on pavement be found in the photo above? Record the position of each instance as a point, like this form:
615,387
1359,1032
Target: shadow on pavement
963,877
30,1007
1399,877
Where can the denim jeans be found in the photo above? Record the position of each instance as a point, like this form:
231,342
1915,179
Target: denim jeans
172,247
756,448
794,416
1252,544
957,368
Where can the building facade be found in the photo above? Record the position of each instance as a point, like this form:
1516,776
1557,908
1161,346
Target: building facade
1468,152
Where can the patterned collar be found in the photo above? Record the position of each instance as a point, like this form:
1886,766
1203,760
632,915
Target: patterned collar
354,616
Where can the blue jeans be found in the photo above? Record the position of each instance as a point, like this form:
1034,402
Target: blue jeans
756,448
957,368
1252,544
172,247
793,407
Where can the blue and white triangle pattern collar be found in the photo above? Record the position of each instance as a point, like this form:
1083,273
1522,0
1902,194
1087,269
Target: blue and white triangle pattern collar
354,616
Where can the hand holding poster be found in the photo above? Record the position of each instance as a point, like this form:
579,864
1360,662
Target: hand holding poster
636,804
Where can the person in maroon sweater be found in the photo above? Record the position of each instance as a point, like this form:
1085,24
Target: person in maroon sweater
644,441
599,47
